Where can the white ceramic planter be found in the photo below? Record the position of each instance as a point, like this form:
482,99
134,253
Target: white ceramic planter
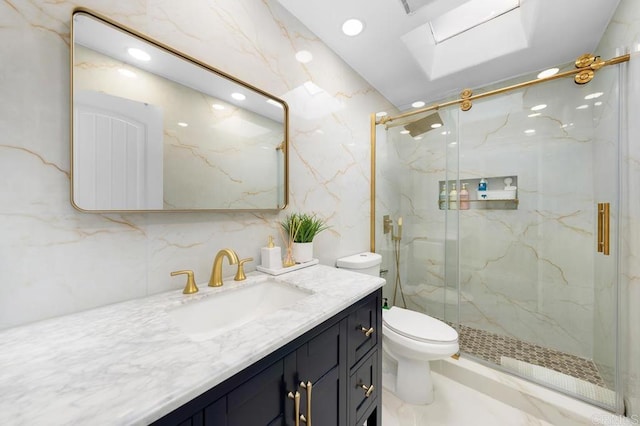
302,252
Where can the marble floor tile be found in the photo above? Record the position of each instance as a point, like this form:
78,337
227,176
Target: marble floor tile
455,404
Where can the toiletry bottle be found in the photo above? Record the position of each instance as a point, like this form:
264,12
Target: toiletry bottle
453,198
271,256
443,197
464,197
482,189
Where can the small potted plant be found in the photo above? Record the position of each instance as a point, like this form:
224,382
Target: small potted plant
301,229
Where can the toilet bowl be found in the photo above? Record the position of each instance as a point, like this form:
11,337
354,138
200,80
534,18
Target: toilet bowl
409,341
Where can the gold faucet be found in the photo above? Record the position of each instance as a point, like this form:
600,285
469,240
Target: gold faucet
216,272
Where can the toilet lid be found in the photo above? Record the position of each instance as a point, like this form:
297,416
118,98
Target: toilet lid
418,326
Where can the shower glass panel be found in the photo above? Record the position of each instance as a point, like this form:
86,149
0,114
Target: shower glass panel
409,177
541,299
516,268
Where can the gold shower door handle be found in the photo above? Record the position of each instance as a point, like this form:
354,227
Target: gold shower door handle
296,399
603,228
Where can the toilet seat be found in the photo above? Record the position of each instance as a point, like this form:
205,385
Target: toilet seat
417,326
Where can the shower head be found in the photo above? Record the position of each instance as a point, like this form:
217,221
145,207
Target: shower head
424,124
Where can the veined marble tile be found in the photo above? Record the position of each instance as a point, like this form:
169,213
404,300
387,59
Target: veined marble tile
56,260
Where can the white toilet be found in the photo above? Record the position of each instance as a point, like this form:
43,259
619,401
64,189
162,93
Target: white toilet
409,341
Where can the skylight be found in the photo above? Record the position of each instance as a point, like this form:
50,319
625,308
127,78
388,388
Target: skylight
469,15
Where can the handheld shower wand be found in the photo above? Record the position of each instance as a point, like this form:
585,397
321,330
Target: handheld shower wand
396,238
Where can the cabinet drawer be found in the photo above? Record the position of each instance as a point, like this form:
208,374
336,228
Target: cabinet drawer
363,328
360,399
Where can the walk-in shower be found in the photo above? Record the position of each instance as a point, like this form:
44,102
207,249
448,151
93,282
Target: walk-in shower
516,265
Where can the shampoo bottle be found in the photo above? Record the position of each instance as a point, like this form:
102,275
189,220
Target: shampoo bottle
453,198
464,197
443,197
482,189
271,255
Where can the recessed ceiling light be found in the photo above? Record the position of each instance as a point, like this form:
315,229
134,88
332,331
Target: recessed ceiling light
404,132
352,27
127,73
585,106
530,131
548,73
535,114
418,104
436,125
417,138
381,114
182,124
597,103
218,107
238,96
304,56
446,132
538,107
138,54
593,95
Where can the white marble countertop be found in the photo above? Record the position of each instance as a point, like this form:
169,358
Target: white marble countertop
128,364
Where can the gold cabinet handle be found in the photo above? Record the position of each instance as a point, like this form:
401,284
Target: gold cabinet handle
240,276
296,399
368,390
309,387
190,287
367,331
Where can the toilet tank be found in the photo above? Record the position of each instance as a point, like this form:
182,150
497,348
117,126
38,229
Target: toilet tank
365,263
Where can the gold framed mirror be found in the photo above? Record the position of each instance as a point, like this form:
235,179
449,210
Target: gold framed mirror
156,130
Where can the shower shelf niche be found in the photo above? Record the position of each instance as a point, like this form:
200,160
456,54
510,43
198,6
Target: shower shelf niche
495,199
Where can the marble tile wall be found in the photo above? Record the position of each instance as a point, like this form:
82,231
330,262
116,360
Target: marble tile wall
55,260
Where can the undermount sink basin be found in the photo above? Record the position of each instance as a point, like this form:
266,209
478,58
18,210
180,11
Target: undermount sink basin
232,308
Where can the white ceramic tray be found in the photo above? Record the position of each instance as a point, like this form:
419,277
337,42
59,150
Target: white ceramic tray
289,269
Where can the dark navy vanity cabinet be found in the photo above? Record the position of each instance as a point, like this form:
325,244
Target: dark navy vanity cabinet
329,376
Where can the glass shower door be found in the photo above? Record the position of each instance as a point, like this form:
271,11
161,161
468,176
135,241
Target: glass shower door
539,299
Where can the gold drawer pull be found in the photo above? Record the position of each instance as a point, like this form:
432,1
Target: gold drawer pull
367,331
368,390
309,387
296,399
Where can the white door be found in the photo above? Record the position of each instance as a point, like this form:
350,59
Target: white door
117,159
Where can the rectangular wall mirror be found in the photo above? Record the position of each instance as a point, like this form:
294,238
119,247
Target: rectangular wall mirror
156,130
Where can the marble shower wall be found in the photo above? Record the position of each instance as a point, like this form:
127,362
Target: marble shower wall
55,260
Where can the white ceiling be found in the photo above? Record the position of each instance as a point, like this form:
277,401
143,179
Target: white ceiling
396,52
